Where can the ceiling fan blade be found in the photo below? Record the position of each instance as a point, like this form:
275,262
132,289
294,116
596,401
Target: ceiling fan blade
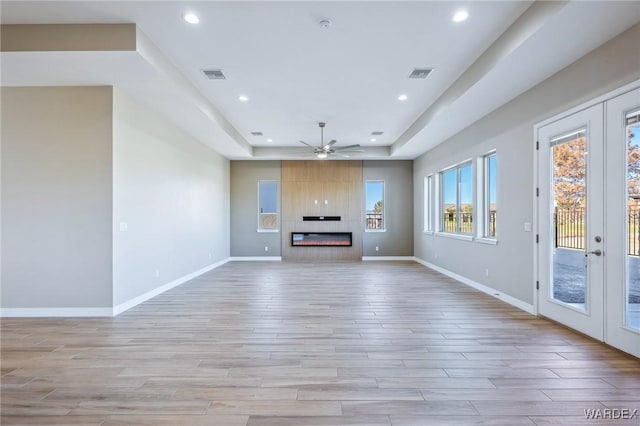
342,148
350,150
330,143
306,144
340,155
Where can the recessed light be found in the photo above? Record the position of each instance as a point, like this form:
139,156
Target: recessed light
243,98
269,140
191,18
372,139
460,16
402,97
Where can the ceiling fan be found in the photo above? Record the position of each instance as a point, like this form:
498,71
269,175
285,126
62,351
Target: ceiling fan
324,150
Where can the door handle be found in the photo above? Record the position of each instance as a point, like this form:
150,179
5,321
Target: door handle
597,252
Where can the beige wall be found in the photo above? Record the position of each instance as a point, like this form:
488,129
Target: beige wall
56,197
173,194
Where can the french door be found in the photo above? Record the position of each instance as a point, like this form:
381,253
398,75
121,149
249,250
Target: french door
589,221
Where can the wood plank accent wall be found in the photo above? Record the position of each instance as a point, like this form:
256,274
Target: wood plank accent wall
337,182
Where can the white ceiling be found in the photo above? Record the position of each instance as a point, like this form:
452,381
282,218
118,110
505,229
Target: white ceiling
297,73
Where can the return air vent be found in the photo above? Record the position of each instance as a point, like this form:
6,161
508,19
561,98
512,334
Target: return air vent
420,72
214,74
376,133
256,133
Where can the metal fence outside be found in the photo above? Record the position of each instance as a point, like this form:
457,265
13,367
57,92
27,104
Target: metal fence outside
374,221
569,229
449,223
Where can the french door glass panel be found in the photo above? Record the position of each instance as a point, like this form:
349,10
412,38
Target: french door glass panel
569,200
632,279
571,220
623,222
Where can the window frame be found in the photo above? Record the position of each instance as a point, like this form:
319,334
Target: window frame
457,234
428,205
277,201
383,227
484,201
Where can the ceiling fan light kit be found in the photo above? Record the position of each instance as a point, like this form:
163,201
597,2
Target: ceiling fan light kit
323,151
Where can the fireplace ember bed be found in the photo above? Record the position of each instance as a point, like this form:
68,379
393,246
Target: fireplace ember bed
321,239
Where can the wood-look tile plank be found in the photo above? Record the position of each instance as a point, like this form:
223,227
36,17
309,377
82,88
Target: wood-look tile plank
365,394
36,420
175,420
432,408
453,420
434,383
558,383
595,394
277,408
580,420
484,395
533,408
391,372
320,421
236,393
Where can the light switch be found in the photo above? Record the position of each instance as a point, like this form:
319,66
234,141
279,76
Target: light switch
527,226
124,226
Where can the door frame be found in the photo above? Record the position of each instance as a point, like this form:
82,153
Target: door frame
537,215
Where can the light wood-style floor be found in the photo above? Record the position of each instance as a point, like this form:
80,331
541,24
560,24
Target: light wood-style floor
373,343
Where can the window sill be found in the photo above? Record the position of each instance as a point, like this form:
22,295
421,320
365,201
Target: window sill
462,237
274,231
491,241
375,230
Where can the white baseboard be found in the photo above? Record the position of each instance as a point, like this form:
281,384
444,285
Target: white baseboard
104,312
153,293
55,312
256,259
388,258
483,288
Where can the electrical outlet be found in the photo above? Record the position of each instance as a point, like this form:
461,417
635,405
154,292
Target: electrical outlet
486,272
124,226
435,255
266,248
377,248
157,273
210,256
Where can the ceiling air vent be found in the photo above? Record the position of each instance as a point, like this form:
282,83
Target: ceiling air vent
256,133
420,72
214,74
376,133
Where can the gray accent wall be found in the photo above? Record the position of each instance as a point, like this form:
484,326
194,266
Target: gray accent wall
172,194
246,241
397,239
56,197
509,130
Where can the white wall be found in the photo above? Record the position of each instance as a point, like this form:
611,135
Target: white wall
56,199
173,194
509,130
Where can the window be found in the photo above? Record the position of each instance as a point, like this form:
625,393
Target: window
456,200
374,203
428,203
267,206
489,191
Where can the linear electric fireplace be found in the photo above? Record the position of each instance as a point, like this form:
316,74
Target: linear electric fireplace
323,239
